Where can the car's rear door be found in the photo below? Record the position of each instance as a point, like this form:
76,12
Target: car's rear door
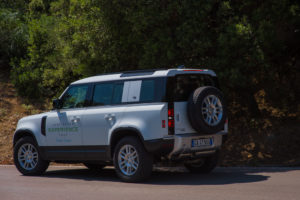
104,112
180,88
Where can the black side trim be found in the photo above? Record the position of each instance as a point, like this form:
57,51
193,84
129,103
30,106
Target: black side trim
127,129
119,133
155,146
43,125
75,153
159,146
22,133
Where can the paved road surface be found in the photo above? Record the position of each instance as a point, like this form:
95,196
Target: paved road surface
74,183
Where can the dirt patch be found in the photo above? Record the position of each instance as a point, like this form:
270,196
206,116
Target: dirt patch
12,108
277,145
10,112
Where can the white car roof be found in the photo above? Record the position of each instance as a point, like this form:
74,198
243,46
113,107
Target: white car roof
143,74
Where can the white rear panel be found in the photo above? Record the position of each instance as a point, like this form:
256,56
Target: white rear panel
182,123
146,118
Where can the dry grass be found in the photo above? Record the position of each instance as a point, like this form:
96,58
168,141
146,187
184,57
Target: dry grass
10,113
12,108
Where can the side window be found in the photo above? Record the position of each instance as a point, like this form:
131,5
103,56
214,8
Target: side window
103,93
118,92
144,91
75,97
147,91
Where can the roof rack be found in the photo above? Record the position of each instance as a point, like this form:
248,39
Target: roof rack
141,72
132,72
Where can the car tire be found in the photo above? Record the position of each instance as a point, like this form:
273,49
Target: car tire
132,162
27,157
94,167
204,166
207,110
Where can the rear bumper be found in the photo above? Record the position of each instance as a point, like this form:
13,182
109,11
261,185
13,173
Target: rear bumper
183,145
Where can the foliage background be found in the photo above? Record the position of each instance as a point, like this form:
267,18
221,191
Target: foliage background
254,47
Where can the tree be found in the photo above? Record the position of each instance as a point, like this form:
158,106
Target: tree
253,46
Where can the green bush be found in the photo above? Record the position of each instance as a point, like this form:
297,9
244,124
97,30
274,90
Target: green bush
27,73
13,35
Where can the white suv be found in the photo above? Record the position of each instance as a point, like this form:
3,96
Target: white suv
130,120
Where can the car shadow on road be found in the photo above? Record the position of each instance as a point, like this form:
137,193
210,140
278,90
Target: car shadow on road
221,176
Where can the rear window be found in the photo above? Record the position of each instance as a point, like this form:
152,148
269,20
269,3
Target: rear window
180,87
147,91
144,91
152,90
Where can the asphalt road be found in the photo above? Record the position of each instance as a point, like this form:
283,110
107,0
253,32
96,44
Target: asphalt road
224,183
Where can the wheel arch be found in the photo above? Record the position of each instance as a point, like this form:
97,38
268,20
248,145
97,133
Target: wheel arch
120,133
23,133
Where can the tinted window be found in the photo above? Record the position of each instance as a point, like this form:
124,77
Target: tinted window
118,92
152,90
185,84
147,91
103,94
75,97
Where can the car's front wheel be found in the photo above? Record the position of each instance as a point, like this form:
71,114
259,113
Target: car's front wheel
132,162
27,157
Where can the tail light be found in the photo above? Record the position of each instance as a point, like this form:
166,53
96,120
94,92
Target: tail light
171,123
171,117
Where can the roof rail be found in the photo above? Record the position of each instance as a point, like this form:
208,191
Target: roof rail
139,72
142,70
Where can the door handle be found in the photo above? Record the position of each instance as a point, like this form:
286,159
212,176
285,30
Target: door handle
75,119
109,117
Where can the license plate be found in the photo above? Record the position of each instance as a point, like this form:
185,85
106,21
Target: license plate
202,142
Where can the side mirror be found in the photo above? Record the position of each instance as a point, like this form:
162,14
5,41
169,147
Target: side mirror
57,104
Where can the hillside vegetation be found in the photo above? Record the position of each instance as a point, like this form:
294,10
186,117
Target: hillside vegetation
254,47
12,108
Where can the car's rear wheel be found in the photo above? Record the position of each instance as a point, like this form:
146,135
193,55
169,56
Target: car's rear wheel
27,157
94,167
132,162
204,165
